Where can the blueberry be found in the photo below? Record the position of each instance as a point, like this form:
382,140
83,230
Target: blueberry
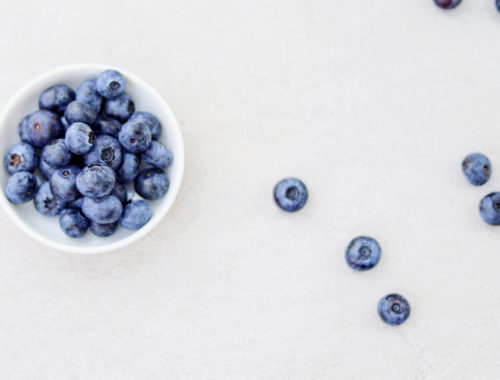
46,203
477,168
363,253
56,98
135,137
157,155
43,127
151,183
129,168
135,215
103,230
22,129
79,138
110,84
497,3
64,123
290,194
46,169
120,192
21,157
96,180
77,203
80,112
447,4
120,108
489,208
102,210
105,125
106,150
21,187
393,309
63,183
73,223
56,154
87,93
150,120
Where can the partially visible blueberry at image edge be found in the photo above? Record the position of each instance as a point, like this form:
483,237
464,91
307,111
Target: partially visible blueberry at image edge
394,309
447,4
290,194
477,168
489,208
363,253
497,3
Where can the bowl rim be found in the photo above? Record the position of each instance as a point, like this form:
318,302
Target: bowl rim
174,185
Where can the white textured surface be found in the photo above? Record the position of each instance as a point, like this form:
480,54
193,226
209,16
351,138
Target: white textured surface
372,103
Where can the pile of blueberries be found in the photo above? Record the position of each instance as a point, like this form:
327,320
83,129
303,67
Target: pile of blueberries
450,4
88,146
362,253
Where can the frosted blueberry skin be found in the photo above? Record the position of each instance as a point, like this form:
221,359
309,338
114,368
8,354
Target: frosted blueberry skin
22,129
21,157
80,112
96,180
290,194
152,183
87,93
489,208
394,309
129,168
46,170
43,127
135,137
447,4
21,187
157,155
135,215
105,125
46,203
103,230
120,108
63,183
56,154
56,98
363,253
102,210
106,150
79,138
476,168
73,223
110,84
150,120
120,192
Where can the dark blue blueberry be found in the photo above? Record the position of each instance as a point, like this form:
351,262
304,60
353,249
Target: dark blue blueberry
21,157
79,138
21,187
80,112
73,223
56,154
135,215
129,168
64,123
102,210
135,137
87,93
56,98
290,194
63,183
22,130
447,4
477,168
120,192
497,3
106,150
46,203
393,309
96,180
46,170
105,125
157,155
120,108
150,120
77,203
43,127
489,208
363,253
103,230
110,84
151,183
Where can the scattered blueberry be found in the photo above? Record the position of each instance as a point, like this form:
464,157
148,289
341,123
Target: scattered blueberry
120,108
151,183
135,137
63,183
129,168
477,168
79,138
447,4
87,93
21,157
394,309
106,150
46,203
489,208
363,253
135,215
105,125
103,230
56,154
22,129
80,112
46,169
96,180
102,210
150,120
21,187
120,192
56,98
73,223
43,127
157,155
290,194
110,84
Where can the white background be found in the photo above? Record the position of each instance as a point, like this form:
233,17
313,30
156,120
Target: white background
373,104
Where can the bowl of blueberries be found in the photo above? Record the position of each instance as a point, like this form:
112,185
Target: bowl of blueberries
93,158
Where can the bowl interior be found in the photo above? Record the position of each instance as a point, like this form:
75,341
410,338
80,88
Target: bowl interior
47,230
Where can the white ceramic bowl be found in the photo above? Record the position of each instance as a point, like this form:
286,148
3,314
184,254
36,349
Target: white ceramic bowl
46,230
